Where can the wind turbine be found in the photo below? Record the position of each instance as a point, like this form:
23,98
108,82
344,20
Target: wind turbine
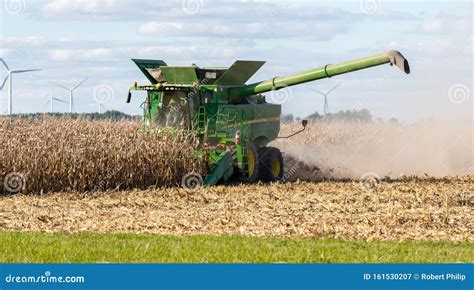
100,104
51,101
326,105
71,96
9,78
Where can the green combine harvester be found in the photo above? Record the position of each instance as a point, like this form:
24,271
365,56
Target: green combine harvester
232,118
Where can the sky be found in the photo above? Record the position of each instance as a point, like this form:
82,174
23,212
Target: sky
74,39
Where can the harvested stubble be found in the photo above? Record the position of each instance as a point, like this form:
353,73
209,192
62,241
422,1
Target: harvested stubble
82,155
409,209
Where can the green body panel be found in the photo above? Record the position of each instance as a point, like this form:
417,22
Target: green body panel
222,169
147,66
261,122
240,72
216,104
151,107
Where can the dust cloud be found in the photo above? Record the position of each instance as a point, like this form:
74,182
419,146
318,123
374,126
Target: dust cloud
352,150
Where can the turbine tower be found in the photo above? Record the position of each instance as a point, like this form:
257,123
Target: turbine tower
9,78
71,95
326,105
51,101
100,105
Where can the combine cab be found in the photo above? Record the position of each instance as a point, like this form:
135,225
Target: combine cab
232,118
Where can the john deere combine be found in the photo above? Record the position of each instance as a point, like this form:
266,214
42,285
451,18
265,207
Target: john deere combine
231,117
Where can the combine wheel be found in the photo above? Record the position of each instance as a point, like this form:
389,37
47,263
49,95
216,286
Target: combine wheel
270,164
252,164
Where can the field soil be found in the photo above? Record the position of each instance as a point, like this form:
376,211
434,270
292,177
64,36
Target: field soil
437,209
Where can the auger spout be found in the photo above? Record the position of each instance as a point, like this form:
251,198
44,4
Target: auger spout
392,57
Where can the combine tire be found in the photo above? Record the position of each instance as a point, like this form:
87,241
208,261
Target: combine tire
270,164
253,166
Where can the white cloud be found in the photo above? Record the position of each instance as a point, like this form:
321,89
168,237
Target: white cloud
4,52
26,40
160,27
78,54
61,54
103,9
469,47
80,7
311,29
431,26
213,19
446,24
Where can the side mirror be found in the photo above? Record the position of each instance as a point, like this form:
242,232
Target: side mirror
129,97
304,123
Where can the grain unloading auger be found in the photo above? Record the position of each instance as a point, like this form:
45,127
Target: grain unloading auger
232,118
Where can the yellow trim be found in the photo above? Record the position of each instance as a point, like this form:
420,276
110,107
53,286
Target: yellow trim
251,162
276,167
274,119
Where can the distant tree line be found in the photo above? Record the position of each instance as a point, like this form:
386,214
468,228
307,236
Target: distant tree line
358,116
108,115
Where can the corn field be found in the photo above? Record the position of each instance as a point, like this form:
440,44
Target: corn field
124,170
57,155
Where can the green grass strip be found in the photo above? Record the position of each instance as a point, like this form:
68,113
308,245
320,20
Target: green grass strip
25,247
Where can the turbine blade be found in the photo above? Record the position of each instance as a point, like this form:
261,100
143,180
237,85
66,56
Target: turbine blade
47,103
59,100
333,88
4,81
23,71
319,92
50,92
61,86
76,86
5,64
